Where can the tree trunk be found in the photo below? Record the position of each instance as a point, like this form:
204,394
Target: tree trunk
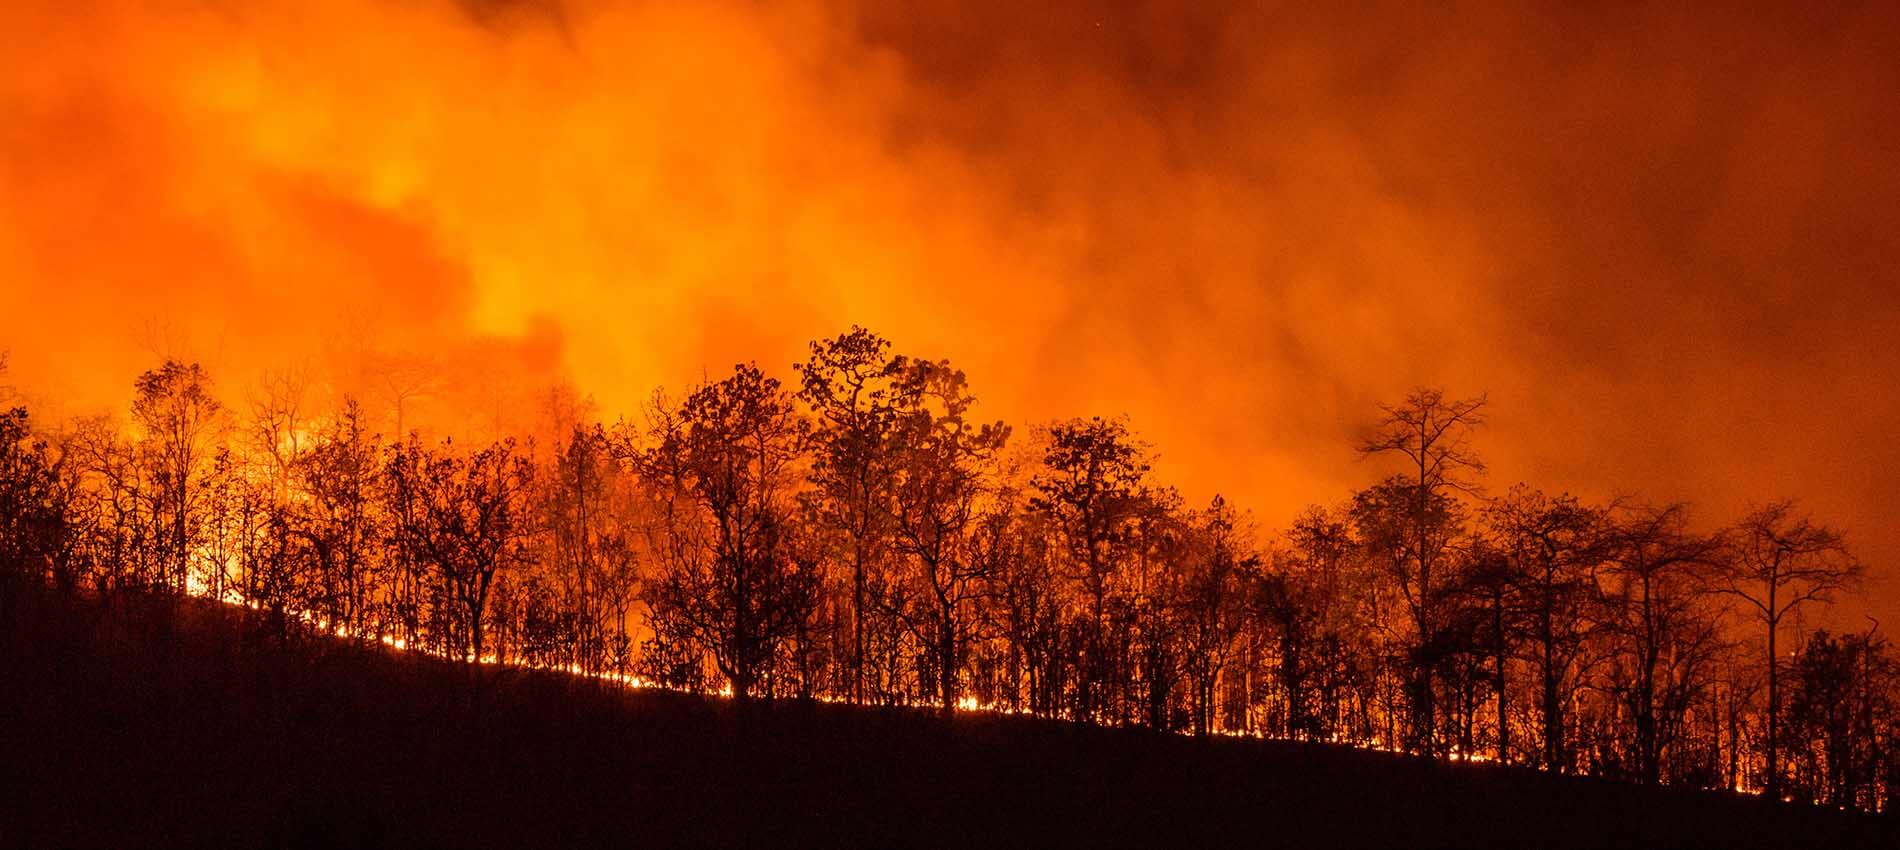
947,666
1771,785
1553,713
857,626
1504,721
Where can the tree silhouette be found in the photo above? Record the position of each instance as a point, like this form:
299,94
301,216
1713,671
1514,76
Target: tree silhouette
1093,490
733,579
1782,561
586,507
1841,711
38,525
1553,546
939,458
1213,603
467,517
1327,569
337,478
1432,434
1659,574
1408,540
855,388
176,413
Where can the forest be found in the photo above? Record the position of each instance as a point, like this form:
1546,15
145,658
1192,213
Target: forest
856,531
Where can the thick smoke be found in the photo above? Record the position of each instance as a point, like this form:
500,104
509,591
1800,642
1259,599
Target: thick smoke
1661,241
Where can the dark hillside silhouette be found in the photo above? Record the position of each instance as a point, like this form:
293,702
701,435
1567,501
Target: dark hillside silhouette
159,725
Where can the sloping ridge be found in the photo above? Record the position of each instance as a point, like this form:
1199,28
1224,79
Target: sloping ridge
179,723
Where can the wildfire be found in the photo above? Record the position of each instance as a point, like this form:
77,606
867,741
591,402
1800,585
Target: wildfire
498,227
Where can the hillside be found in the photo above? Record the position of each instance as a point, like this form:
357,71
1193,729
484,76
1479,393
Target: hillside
145,727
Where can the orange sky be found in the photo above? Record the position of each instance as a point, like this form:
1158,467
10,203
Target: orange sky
1662,242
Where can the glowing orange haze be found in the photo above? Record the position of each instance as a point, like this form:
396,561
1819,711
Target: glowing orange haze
1662,244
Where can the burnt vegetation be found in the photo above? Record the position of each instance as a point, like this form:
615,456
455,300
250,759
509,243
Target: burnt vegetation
253,622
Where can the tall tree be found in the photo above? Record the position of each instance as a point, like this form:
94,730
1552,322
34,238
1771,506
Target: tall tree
1164,547
1782,561
1842,719
733,579
1490,585
855,388
1213,603
1432,435
1027,600
1554,546
468,517
177,415
38,519
1093,488
939,458
1393,529
277,425
336,477
586,506
1324,553
1659,573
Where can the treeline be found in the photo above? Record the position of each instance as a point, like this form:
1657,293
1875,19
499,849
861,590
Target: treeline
865,535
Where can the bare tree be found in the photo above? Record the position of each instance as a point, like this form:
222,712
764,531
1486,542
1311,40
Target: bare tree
1432,434
1410,542
1659,573
590,542
277,425
178,417
1781,561
1553,546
